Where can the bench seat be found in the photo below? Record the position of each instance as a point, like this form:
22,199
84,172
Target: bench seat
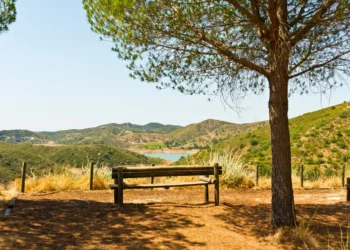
159,185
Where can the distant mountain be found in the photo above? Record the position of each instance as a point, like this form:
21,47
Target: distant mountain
320,138
112,134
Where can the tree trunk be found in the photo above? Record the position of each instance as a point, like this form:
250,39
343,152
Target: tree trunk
283,212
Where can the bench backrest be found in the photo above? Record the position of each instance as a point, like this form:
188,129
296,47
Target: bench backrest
139,172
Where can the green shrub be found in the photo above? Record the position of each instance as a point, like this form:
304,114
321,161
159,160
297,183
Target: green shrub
254,142
344,115
311,173
265,170
329,172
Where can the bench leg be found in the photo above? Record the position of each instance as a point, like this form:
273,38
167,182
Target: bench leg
115,196
206,193
120,186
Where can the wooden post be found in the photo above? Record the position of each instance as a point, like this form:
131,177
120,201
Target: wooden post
23,177
347,189
302,176
152,178
216,175
91,176
206,192
257,175
120,186
343,176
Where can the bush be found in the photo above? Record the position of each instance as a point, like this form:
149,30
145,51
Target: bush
254,142
311,173
265,170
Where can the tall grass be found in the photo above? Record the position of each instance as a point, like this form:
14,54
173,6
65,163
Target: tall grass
66,179
234,172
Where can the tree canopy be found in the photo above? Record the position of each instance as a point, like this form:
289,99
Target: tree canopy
194,45
7,14
231,48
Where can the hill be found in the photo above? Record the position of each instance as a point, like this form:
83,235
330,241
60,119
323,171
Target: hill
128,135
320,138
208,132
122,135
42,159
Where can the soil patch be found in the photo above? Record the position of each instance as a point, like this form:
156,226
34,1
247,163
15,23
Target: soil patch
166,219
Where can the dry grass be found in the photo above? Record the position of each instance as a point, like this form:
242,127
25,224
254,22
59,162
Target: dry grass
331,182
5,196
67,180
234,174
301,236
344,237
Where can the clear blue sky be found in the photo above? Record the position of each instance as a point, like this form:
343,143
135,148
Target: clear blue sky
55,74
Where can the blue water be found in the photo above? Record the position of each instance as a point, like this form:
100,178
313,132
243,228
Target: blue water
168,156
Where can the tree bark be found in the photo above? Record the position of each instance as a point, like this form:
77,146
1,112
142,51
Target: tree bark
283,212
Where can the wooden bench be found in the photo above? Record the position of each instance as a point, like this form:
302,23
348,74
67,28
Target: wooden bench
121,173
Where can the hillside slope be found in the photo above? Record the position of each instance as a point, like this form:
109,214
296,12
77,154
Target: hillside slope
127,135
320,138
209,132
41,158
121,135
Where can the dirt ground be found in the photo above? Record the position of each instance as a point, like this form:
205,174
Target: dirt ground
167,219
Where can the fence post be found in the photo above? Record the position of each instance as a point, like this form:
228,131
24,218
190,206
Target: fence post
152,178
23,177
302,176
257,175
91,175
347,189
216,175
343,176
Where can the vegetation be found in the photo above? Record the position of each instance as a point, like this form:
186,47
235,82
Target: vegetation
7,14
65,179
207,132
319,141
126,135
153,145
234,174
110,134
43,159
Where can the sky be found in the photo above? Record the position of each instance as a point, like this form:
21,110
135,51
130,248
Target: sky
56,74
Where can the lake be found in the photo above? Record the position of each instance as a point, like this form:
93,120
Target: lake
168,156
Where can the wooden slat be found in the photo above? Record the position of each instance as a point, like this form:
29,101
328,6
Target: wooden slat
207,179
166,167
163,185
113,186
159,173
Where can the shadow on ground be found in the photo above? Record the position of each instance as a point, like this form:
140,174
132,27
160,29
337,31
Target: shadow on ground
68,221
329,224
79,224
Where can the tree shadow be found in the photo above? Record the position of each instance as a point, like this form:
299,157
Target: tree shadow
327,223
80,224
